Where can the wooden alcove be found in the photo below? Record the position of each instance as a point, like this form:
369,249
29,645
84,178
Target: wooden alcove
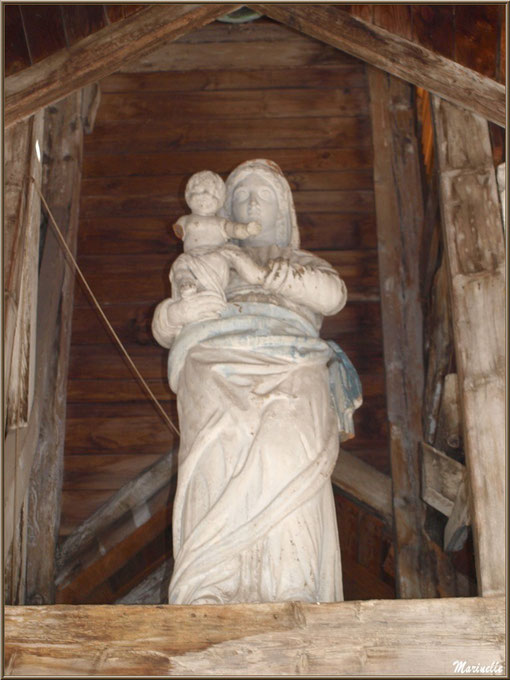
339,109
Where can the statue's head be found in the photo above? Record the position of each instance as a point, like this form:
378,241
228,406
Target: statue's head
205,193
258,191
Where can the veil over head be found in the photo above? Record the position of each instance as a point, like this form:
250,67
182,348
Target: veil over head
286,228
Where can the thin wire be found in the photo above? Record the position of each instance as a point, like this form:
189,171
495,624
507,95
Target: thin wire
102,314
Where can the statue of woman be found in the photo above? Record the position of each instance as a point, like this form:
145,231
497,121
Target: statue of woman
262,404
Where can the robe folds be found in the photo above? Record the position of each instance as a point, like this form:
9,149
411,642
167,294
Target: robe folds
258,395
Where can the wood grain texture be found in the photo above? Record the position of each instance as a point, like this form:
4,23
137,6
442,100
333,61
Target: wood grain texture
99,55
396,55
62,149
400,214
280,639
474,243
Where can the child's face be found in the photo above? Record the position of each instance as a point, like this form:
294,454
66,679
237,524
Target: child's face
204,200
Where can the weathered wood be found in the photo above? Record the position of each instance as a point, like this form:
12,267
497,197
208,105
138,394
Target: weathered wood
442,478
347,638
153,590
21,249
474,243
174,131
439,336
91,98
15,570
63,138
112,550
240,104
448,436
364,483
128,498
456,530
289,51
399,209
187,162
396,55
201,79
23,209
100,54
501,179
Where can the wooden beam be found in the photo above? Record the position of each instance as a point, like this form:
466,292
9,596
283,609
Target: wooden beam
396,55
153,589
441,479
22,376
100,54
62,148
365,483
400,214
131,498
376,637
475,248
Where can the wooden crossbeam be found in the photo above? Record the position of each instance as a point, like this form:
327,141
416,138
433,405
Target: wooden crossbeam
394,54
440,637
475,249
100,54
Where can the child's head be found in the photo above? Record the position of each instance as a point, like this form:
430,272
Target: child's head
205,193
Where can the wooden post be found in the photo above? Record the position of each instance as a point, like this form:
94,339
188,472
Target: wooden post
63,141
23,155
400,214
474,243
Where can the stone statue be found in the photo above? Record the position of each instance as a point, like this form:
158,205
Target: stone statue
263,403
202,266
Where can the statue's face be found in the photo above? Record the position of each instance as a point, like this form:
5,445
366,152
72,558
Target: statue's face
254,199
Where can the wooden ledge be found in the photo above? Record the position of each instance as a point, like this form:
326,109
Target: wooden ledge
374,637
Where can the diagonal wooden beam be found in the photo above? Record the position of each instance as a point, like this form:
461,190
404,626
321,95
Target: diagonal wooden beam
102,53
396,55
131,498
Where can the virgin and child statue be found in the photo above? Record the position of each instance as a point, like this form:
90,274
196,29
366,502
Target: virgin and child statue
263,401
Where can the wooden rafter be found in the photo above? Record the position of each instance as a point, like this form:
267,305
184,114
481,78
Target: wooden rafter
378,637
100,54
396,55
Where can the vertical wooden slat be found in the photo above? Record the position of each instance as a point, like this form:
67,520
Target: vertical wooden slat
474,242
61,188
399,209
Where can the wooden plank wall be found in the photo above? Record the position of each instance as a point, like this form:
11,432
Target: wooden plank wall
471,34
233,93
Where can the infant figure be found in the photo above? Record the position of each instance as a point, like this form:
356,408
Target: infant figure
203,266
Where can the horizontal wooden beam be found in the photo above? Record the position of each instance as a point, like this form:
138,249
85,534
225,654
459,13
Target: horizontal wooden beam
440,637
396,55
100,54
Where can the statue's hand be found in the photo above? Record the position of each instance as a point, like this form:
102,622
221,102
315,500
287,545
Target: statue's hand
195,307
247,269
